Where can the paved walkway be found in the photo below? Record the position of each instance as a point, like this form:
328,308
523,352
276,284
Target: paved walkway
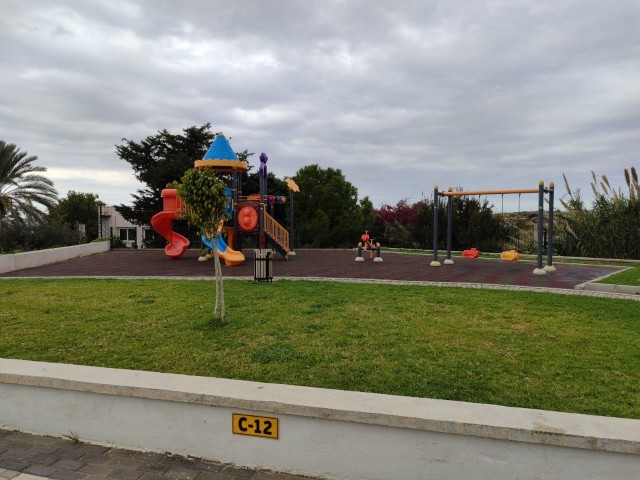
30,457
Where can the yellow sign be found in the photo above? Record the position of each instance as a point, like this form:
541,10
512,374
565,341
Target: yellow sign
266,427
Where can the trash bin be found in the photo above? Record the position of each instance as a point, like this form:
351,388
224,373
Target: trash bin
263,265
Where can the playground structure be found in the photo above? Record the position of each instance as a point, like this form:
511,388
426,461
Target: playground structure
367,243
248,214
512,255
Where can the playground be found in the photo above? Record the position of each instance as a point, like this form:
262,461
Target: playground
337,264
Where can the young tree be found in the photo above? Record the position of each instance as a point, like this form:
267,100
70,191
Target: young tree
202,192
22,188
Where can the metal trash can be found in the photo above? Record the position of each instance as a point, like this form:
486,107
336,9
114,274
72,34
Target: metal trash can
263,265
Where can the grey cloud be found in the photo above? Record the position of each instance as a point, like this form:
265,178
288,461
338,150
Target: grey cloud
478,94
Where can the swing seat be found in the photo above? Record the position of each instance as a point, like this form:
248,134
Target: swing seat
471,253
510,255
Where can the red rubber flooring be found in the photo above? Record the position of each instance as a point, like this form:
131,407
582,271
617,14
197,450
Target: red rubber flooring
323,263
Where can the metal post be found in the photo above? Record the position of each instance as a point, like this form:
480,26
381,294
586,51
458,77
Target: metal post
263,191
238,237
435,262
539,270
291,234
449,260
235,182
100,220
550,268
378,256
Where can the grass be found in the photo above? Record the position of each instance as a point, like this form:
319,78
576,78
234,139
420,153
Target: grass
631,276
525,349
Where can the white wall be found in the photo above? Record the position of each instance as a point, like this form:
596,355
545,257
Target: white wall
111,222
327,433
18,261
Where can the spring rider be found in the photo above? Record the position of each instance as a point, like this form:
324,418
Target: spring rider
368,243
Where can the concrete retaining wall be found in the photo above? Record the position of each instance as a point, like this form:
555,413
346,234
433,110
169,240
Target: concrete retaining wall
18,261
325,433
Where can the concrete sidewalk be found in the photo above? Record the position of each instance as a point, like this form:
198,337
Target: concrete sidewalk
28,457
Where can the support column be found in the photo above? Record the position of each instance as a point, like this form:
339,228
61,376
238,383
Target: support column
262,242
449,260
550,268
436,194
539,270
234,207
291,224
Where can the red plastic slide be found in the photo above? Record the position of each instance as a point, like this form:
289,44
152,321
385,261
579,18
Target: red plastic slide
161,222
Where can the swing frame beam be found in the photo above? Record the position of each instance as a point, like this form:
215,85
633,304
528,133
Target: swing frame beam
451,193
541,191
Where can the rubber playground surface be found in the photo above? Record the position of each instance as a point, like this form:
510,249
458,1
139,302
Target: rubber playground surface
323,264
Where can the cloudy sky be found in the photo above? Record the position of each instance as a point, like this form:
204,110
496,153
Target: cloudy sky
399,95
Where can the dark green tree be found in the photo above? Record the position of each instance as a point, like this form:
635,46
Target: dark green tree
79,208
327,210
28,235
157,161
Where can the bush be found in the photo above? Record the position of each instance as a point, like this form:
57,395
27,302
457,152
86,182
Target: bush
25,236
117,243
610,229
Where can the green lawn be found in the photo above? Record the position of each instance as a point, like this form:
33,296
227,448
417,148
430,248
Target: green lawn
631,276
536,350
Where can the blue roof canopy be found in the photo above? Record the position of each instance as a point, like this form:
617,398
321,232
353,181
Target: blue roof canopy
220,150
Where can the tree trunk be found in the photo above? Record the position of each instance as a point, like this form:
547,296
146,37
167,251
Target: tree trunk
219,306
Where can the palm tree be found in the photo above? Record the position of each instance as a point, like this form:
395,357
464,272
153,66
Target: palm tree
22,189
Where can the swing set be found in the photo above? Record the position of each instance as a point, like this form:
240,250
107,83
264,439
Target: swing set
541,191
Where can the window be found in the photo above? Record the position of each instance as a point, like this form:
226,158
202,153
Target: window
127,234
147,234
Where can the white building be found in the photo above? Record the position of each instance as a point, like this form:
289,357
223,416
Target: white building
113,225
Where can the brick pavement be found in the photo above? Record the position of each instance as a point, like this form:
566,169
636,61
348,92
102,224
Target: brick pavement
31,457
324,264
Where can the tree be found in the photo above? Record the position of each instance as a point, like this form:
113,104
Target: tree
157,161
398,220
22,188
79,208
327,209
202,192
411,225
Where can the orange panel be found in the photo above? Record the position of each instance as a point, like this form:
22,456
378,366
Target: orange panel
247,218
